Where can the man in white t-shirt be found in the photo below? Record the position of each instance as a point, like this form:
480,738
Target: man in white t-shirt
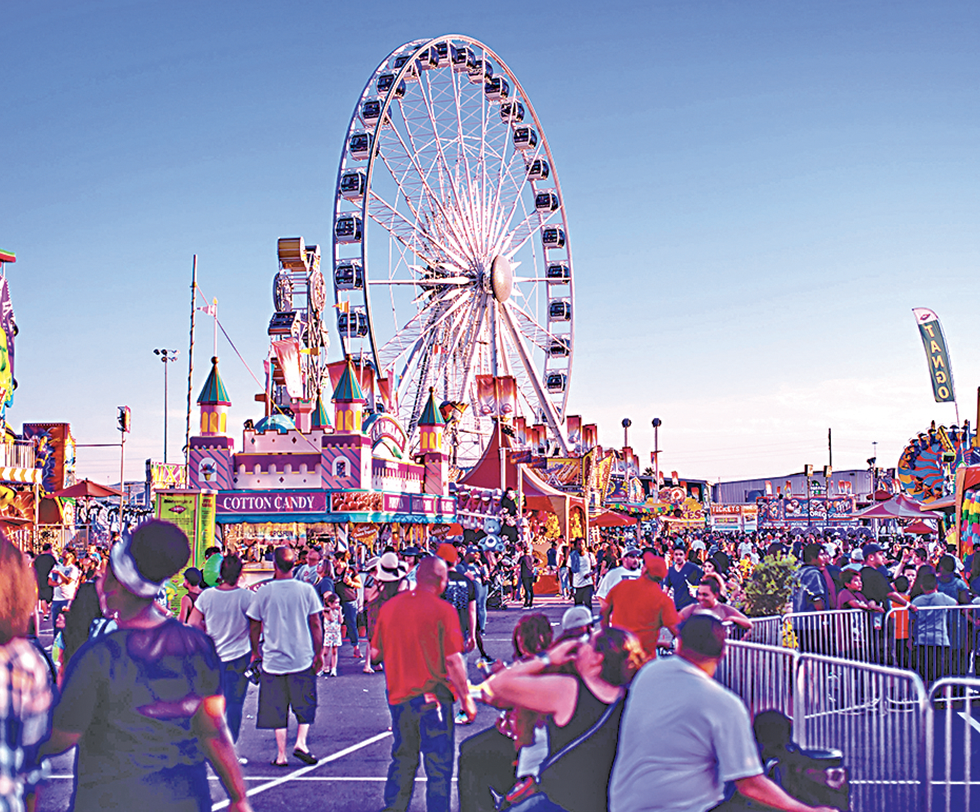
221,612
580,563
628,571
64,579
310,571
678,759
287,615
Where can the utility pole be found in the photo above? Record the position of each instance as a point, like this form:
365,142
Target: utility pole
124,419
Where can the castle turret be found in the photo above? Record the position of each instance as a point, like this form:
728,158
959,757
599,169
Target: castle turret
349,402
321,419
431,427
209,456
214,404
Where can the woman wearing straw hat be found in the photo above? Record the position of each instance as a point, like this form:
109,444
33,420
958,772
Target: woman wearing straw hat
143,703
390,580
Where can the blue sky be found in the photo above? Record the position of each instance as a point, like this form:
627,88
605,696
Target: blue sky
758,193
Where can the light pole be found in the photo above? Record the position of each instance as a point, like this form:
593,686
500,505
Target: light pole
626,431
656,455
165,356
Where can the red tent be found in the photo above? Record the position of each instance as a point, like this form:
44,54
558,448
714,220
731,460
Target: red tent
86,488
612,519
920,528
538,494
898,507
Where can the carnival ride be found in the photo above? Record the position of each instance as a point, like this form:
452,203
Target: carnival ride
451,253
927,467
298,329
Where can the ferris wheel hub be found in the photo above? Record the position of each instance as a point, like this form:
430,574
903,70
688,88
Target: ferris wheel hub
501,278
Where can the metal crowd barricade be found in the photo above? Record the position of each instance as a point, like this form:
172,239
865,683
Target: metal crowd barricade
936,641
876,716
850,634
761,675
954,705
765,630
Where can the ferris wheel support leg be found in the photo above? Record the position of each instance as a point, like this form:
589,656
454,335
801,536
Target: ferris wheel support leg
551,415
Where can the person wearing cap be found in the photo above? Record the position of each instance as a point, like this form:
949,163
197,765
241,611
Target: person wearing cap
418,638
410,556
642,607
576,621
627,571
143,703
710,742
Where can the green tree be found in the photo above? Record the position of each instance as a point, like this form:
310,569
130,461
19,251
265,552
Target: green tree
770,587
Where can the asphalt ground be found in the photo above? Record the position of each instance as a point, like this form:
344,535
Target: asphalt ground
351,737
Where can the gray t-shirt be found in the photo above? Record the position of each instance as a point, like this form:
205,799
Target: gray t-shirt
284,607
225,619
683,735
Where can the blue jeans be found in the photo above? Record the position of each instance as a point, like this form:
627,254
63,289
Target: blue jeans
563,580
481,605
349,611
429,729
234,687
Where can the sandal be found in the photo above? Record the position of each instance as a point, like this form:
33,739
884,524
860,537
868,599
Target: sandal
368,669
275,763
306,758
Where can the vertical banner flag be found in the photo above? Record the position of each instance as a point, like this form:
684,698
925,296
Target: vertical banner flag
936,353
507,396
573,425
287,352
486,396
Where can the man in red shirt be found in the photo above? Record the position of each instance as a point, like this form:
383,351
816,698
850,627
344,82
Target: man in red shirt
419,638
642,607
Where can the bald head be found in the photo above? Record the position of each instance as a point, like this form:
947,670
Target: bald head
285,558
433,575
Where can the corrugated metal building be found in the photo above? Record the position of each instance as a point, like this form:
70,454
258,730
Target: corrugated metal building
745,491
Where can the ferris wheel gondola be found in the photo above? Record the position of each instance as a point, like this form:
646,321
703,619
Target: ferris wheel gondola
451,255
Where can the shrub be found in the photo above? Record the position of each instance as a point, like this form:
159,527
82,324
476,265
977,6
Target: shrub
770,587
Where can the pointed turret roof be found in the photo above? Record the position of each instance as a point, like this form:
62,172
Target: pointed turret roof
348,389
214,392
431,416
321,420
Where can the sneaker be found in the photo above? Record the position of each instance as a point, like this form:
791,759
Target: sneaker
462,719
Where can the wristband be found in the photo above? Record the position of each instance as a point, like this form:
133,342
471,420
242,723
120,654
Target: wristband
545,659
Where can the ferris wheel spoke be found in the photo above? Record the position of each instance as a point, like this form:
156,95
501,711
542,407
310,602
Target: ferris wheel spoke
540,336
410,177
416,237
546,405
423,321
450,215
474,343
442,164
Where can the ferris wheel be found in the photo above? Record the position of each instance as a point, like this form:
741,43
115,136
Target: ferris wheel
451,253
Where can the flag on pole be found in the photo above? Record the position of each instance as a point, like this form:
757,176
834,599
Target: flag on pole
936,354
343,307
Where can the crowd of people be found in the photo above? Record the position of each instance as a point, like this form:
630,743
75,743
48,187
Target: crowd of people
149,696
